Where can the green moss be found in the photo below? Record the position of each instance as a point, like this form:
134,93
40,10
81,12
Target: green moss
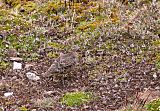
3,65
93,11
25,43
3,12
92,3
153,106
94,25
56,45
158,64
52,55
80,18
83,28
12,2
139,59
29,6
10,21
23,108
156,43
108,45
79,8
53,7
34,56
157,56
76,98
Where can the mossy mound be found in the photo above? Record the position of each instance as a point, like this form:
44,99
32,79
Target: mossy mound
76,98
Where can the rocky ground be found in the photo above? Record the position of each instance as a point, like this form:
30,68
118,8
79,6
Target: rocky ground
118,62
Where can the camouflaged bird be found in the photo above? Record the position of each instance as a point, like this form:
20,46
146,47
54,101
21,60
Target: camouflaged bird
64,63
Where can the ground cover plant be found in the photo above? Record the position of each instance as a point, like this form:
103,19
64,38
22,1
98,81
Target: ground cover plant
76,98
117,43
154,105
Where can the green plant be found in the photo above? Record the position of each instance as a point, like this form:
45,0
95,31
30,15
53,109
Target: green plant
56,45
3,64
158,64
23,108
52,55
154,105
76,98
156,43
29,6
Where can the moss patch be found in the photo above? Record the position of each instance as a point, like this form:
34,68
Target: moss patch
76,98
153,106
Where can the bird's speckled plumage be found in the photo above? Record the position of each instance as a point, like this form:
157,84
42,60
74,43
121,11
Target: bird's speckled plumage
62,63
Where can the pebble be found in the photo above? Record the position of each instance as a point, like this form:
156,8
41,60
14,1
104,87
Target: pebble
15,59
7,94
17,65
48,92
155,75
157,88
32,76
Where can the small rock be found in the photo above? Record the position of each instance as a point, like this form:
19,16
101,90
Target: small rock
17,65
15,59
132,45
48,92
143,46
157,88
155,75
32,76
7,94
86,106
116,85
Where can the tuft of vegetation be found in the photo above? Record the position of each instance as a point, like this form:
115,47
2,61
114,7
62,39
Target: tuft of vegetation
23,108
52,55
4,65
114,38
76,98
158,64
154,105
